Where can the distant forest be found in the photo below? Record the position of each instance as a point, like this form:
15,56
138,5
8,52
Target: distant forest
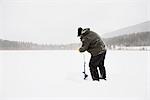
135,39
19,45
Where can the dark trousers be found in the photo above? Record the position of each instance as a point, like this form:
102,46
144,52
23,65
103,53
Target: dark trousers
95,63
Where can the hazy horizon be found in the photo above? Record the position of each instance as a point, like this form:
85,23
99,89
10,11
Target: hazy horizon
56,21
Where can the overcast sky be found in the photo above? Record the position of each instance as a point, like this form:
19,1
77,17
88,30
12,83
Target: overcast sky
56,21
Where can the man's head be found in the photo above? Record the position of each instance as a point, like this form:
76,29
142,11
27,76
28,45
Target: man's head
82,31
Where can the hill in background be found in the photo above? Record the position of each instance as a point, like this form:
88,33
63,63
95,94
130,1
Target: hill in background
139,28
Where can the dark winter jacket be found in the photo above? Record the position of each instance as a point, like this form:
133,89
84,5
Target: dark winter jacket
92,43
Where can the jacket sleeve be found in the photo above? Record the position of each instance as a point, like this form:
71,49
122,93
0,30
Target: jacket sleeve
85,44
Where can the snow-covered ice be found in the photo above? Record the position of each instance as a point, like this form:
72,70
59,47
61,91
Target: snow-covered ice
57,75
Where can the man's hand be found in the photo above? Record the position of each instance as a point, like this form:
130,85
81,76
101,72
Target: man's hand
82,49
79,50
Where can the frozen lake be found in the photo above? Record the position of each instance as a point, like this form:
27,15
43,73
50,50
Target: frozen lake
57,75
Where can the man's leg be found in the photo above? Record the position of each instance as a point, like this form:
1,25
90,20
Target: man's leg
101,66
93,67
103,72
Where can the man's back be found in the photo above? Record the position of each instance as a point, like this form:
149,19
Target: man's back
92,42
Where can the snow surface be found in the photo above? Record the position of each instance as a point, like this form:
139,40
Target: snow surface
57,75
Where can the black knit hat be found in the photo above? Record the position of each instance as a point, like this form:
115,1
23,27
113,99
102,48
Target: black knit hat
79,31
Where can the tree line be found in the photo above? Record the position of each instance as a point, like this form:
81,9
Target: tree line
135,39
19,45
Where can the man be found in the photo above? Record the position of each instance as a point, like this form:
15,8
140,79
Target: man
92,43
